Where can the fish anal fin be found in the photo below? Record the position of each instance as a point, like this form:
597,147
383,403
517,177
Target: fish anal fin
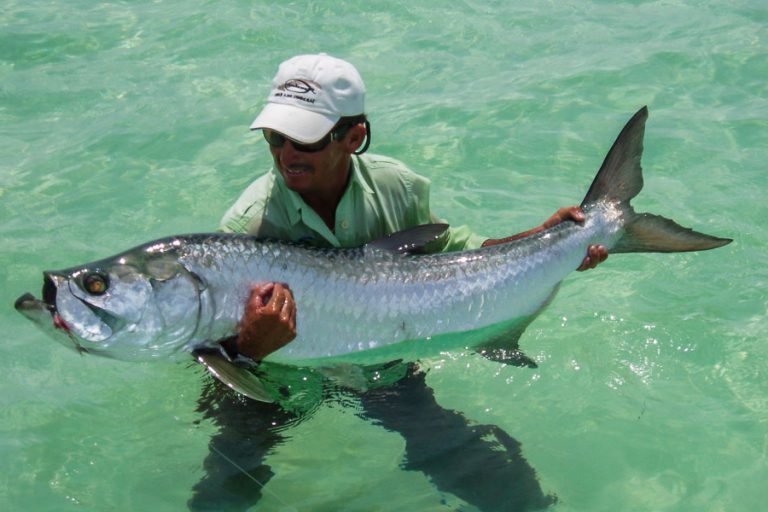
235,377
504,348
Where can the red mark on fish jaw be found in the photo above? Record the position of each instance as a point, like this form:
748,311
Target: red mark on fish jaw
59,323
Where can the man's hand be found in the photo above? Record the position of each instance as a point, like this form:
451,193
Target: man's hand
573,213
596,254
269,321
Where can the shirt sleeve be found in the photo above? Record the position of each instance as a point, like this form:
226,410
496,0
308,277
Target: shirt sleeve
462,238
458,238
246,215
232,222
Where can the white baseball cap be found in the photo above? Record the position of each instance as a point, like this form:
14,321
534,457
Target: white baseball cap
310,93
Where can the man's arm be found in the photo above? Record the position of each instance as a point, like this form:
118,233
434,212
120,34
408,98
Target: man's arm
596,254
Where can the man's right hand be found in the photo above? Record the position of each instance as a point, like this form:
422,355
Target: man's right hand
269,321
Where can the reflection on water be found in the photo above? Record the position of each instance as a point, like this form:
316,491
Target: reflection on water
481,464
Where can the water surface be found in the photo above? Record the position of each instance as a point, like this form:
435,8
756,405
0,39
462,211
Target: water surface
126,121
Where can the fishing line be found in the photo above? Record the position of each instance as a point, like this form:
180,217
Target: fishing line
246,473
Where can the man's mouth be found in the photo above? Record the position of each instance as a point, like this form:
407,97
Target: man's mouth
294,170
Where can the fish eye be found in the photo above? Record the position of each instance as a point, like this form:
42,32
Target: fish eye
95,283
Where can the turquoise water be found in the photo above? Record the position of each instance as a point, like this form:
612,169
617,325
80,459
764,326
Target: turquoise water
126,121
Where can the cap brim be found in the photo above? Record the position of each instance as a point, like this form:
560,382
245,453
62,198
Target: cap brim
295,123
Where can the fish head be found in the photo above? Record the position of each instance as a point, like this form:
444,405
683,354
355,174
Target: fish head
135,306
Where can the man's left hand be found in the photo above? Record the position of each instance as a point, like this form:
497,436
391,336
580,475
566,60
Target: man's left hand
596,254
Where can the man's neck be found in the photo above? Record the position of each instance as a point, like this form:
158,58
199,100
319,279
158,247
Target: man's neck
327,201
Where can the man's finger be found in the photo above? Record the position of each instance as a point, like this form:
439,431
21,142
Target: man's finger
281,296
598,253
576,214
255,300
263,288
288,310
288,313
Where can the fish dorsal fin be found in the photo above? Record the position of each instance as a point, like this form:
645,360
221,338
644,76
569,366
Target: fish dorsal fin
236,377
410,241
620,178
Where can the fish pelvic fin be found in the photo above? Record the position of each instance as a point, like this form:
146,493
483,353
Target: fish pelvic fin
620,178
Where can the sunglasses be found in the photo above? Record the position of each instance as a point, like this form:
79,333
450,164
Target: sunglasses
277,140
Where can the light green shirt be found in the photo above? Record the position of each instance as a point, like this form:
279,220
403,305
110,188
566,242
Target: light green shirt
383,196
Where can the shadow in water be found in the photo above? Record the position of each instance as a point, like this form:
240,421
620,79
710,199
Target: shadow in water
234,467
481,464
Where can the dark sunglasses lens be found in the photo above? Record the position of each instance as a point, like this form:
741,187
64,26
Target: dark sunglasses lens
312,148
277,140
273,138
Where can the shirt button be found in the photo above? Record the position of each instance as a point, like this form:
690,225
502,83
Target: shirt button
344,224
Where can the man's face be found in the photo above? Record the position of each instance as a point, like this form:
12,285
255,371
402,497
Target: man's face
320,173
309,173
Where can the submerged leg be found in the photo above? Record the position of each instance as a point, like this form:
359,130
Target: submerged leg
480,464
235,468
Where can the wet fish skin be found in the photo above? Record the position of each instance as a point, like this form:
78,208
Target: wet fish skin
181,294
349,300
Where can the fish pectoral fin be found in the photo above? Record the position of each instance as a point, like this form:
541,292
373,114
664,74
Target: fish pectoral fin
236,377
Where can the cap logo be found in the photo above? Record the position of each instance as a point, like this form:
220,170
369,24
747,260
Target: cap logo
298,86
295,88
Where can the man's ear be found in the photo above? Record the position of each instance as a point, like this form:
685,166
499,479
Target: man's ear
355,137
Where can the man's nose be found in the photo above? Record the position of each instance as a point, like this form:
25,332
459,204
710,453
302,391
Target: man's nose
288,153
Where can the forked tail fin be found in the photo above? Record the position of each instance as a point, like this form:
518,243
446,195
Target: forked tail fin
620,178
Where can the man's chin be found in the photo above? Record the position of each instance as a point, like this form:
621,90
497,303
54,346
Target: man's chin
296,180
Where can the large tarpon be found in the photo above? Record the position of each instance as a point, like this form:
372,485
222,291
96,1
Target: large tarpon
183,294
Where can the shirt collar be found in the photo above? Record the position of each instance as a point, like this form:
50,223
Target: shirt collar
295,204
357,178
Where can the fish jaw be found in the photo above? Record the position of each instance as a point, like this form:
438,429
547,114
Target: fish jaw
48,320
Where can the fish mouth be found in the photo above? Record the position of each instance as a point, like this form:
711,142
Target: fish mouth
29,303
44,314
29,306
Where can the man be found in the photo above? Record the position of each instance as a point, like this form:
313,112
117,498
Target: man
323,191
